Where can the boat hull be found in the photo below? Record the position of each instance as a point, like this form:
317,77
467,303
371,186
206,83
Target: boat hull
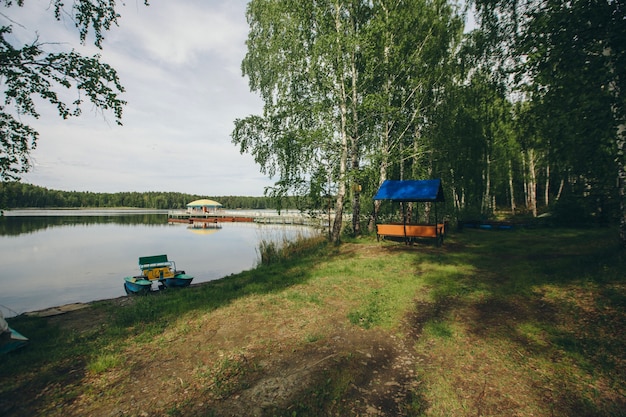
137,285
178,281
11,341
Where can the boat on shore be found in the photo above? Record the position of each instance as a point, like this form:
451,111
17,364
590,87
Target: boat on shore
179,280
137,285
10,339
156,269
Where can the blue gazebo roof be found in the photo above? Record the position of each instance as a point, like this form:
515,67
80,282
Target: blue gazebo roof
411,190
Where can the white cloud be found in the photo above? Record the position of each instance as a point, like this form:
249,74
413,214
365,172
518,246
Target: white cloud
179,62
179,34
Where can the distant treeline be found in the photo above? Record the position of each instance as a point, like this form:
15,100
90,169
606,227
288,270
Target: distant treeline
20,195
28,224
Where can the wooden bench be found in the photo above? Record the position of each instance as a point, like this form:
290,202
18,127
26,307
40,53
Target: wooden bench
156,267
410,231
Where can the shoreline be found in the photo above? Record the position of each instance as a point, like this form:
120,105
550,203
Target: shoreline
70,307
27,212
57,310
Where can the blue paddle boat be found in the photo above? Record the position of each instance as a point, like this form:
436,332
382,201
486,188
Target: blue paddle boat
137,285
156,269
10,339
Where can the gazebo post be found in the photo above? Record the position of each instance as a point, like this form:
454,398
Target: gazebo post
436,225
406,242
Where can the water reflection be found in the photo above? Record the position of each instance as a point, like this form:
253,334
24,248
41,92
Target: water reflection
19,224
50,261
204,228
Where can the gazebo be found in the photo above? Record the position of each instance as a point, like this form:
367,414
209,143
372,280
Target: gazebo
421,191
203,206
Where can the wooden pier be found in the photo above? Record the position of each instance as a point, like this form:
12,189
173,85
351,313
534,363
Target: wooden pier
180,216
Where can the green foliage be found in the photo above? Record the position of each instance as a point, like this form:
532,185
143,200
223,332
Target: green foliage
572,105
19,195
272,251
335,78
500,130
572,211
30,72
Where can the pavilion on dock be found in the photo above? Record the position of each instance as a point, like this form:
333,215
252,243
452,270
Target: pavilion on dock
203,206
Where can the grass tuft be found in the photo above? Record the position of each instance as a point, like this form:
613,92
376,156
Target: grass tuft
104,362
274,251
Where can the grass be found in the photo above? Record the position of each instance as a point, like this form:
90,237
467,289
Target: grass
525,322
104,362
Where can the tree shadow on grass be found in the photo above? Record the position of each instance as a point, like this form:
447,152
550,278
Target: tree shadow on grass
557,297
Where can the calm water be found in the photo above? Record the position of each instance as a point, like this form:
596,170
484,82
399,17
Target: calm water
54,259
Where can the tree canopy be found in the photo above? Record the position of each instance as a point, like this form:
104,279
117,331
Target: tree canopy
524,113
33,71
566,60
343,84
16,195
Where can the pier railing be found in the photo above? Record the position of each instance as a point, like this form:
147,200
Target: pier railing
290,217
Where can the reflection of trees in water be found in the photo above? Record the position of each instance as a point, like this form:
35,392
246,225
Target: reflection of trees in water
17,225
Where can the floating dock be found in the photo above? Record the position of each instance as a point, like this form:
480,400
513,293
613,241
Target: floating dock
181,216
210,219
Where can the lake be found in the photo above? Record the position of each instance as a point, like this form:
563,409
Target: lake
56,257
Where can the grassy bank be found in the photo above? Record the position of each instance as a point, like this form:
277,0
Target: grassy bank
528,322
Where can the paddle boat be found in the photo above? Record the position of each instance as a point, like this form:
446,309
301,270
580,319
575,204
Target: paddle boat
137,285
10,339
156,269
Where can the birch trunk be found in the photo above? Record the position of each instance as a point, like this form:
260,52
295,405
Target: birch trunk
343,158
355,154
385,140
532,182
546,193
621,181
511,188
486,200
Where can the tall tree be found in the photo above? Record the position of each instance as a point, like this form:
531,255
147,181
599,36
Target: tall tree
299,59
30,71
344,85
410,45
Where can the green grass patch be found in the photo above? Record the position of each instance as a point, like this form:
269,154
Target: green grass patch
104,362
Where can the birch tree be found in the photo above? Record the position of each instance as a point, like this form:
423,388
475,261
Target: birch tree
31,73
344,85
410,44
299,61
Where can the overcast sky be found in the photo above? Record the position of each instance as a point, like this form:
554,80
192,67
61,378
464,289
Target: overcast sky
179,62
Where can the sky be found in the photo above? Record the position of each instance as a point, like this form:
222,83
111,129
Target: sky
180,64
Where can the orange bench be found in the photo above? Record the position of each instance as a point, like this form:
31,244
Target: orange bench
411,230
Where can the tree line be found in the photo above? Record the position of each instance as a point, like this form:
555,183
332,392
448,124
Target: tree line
20,195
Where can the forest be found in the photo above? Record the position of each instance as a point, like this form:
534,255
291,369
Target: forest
20,195
523,113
